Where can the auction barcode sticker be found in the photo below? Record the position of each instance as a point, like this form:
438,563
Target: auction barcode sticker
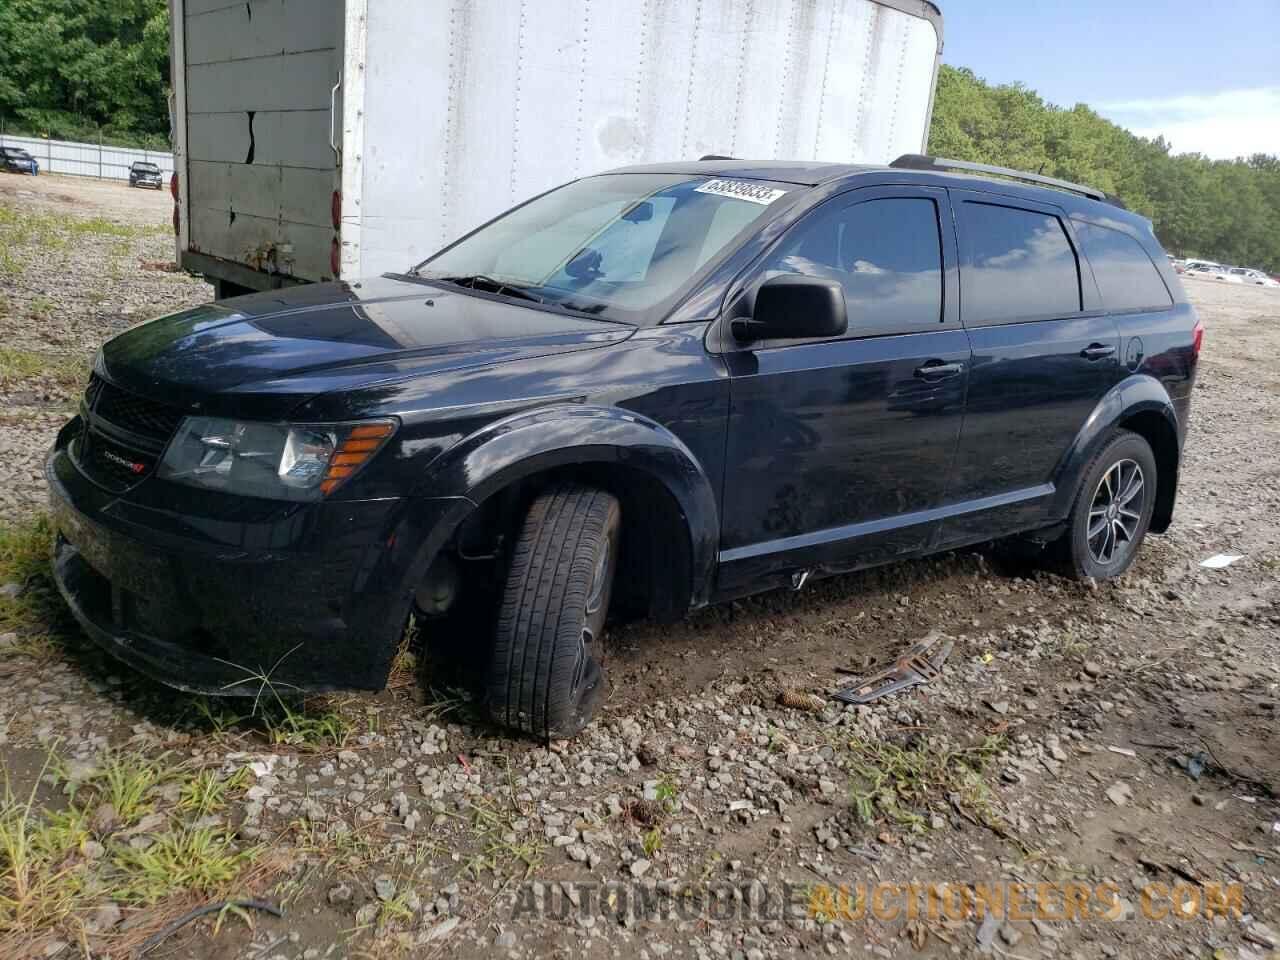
742,190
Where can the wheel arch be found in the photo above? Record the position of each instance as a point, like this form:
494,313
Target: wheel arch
670,518
1141,404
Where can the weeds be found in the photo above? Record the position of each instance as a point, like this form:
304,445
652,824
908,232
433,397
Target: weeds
207,793
18,365
51,231
201,860
899,782
59,860
40,308
24,559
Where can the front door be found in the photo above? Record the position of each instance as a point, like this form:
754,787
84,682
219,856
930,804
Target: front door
1044,354
839,450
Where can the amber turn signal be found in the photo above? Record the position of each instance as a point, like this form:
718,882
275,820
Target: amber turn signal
357,447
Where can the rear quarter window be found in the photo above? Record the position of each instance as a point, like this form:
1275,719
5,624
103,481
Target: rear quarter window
1127,277
1017,265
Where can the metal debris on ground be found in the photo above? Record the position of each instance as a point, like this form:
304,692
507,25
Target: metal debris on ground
1220,560
913,669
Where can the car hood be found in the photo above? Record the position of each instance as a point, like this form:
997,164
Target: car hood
310,339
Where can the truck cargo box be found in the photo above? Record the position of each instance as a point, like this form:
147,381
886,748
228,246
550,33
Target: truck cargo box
317,139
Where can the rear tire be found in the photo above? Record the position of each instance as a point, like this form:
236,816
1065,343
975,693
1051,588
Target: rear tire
1112,509
544,676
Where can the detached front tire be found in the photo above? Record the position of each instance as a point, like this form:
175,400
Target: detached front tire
545,678
1112,509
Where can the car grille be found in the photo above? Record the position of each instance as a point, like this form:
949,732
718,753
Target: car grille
123,435
131,412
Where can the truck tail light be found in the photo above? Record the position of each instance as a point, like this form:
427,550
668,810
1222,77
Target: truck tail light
1197,340
177,220
335,258
335,207
173,186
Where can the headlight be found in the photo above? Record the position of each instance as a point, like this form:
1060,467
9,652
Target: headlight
278,461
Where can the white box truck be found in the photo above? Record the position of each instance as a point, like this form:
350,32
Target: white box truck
318,139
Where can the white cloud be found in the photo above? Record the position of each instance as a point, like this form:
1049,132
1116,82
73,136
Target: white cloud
1223,125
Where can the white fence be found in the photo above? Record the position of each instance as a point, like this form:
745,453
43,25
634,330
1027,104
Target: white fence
87,159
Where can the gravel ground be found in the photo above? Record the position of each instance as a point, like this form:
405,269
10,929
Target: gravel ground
1086,708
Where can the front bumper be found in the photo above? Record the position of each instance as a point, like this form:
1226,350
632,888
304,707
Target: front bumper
310,596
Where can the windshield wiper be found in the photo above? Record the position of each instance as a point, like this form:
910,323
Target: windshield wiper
479,281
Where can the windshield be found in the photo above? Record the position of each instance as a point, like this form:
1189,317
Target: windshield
623,246
146,167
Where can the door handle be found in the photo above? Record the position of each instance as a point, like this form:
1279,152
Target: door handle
1097,351
937,370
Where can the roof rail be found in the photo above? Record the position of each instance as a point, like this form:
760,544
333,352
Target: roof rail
917,161
716,156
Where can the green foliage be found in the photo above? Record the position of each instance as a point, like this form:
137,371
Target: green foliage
1223,210
75,68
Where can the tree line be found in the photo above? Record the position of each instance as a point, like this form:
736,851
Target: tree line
1224,210
84,69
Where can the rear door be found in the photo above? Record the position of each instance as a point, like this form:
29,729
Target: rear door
1044,354
839,449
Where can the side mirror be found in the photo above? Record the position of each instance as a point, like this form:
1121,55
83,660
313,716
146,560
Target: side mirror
794,306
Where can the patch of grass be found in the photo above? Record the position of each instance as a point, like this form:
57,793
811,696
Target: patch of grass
126,782
25,550
40,308
900,783
208,792
60,859
18,365
47,232
201,860
69,372
306,725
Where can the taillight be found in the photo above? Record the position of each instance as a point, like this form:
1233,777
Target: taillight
173,186
335,208
177,220
335,258
1197,340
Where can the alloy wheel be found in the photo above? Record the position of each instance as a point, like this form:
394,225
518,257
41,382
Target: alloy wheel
1115,514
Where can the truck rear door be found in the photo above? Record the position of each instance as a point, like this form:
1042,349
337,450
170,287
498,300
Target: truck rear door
259,166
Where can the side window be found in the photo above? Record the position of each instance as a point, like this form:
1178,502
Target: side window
1127,279
1015,265
887,254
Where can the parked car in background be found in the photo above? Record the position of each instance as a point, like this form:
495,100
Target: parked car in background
1255,277
143,173
641,392
17,160
1208,270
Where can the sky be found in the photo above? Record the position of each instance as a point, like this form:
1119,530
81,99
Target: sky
1205,75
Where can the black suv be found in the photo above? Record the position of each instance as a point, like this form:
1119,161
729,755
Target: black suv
17,160
145,174
638,393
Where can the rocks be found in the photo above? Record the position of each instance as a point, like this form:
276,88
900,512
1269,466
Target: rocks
105,917
339,893
1120,793
639,868
506,940
384,887
11,590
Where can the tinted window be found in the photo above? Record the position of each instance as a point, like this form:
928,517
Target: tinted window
1127,279
886,254
1017,265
